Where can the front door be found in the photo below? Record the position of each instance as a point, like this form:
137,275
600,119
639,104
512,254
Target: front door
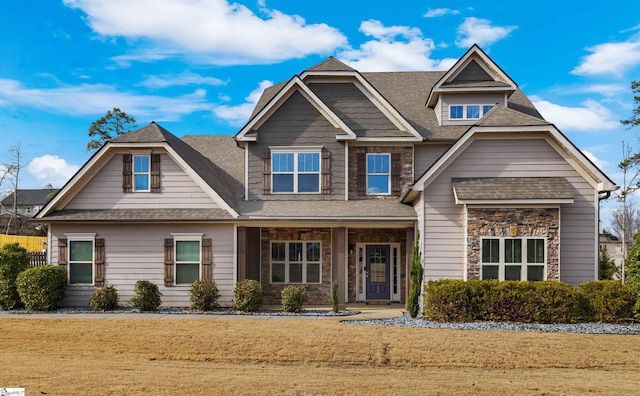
377,271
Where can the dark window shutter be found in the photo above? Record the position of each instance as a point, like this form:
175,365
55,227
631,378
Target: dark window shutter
168,262
207,267
99,275
62,252
155,173
361,169
127,172
326,171
396,170
266,172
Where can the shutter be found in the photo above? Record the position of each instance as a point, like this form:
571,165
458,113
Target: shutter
127,165
168,262
396,170
155,173
361,169
207,267
266,172
99,275
326,171
62,252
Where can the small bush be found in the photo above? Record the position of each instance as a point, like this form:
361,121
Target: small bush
42,288
146,296
607,301
247,295
13,260
335,296
104,298
453,300
293,297
204,295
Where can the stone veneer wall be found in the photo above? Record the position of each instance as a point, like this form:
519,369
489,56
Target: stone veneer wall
525,222
376,236
406,163
317,293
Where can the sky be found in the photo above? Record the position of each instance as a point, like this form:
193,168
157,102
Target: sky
199,66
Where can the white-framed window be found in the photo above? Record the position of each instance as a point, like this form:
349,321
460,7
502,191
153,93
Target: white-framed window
379,174
295,172
296,262
468,112
141,173
513,258
188,258
81,258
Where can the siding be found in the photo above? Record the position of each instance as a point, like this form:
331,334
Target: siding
104,190
426,155
444,220
136,252
297,123
470,99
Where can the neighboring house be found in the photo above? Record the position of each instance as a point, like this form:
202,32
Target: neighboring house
614,246
29,202
329,180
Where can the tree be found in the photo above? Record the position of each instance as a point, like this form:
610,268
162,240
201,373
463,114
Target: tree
11,174
632,271
415,276
634,120
115,123
607,265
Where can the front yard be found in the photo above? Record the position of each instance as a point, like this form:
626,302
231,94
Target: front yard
248,356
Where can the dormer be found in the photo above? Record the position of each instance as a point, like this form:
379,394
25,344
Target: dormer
470,89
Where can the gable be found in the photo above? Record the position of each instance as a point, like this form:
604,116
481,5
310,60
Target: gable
473,72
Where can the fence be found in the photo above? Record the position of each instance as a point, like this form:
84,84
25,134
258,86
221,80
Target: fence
37,258
31,243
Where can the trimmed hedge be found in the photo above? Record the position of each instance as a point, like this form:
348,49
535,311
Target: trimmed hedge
42,288
293,297
147,296
13,260
204,295
104,298
607,301
247,295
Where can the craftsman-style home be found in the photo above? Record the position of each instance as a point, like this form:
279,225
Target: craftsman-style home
331,179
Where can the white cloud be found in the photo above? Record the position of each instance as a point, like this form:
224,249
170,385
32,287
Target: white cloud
479,31
239,115
591,116
212,31
436,12
186,78
603,89
610,58
394,48
96,98
51,169
599,162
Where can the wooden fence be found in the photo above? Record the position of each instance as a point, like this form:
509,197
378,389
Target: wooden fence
31,243
37,258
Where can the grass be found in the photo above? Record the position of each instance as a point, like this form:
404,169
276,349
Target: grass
198,356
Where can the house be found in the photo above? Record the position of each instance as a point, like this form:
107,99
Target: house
29,201
330,180
614,247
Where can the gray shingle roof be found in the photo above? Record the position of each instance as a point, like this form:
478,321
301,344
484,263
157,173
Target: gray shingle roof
138,215
330,64
365,209
501,116
512,188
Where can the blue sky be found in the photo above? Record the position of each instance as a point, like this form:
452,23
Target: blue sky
197,66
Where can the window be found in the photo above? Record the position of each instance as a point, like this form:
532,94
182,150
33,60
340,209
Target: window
187,260
295,172
469,112
378,174
513,258
296,262
81,259
141,173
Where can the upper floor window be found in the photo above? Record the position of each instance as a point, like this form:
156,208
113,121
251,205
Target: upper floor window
141,173
378,174
461,112
295,171
513,258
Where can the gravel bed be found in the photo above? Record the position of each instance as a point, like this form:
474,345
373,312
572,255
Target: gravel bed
183,311
587,328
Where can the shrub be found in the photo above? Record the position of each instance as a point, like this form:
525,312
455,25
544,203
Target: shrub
415,277
13,260
204,295
42,288
455,300
335,296
556,302
104,298
607,301
247,295
293,297
146,296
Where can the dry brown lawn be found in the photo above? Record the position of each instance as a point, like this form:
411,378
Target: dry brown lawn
132,356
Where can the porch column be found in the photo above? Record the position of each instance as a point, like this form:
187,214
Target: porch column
409,249
242,253
339,262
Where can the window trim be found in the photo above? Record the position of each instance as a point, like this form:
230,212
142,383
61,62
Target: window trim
134,173
388,174
523,263
81,237
287,262
186,237
296,173
481,111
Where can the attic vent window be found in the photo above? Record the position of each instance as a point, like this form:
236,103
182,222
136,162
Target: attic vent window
468,112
